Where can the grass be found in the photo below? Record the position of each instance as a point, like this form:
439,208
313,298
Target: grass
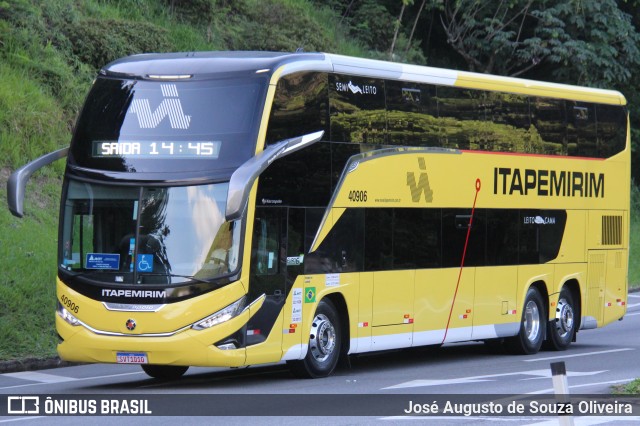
631,388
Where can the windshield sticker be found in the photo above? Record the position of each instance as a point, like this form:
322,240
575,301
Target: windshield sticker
332,280
309,295
296,306
144,263
366,89
102,261
295,260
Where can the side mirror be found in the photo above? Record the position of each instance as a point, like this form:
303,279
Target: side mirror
17,182
243,178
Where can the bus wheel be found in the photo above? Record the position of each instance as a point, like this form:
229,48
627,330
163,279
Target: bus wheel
562,328
529,338
325,342
165,372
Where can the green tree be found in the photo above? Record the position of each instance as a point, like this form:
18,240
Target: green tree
593,41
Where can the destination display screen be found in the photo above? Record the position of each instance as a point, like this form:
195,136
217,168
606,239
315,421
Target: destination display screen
156,149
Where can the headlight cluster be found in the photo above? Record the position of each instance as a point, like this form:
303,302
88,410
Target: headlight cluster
66,315
224,314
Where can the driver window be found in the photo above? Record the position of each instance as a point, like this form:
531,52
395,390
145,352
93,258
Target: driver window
266,244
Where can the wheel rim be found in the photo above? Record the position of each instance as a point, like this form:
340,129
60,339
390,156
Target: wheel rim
322,340
532,321
564,318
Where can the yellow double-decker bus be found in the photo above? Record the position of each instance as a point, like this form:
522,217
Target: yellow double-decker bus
239,208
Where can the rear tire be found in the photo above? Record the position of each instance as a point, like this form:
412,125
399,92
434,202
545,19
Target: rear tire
325,344
561,329
532,325
164,372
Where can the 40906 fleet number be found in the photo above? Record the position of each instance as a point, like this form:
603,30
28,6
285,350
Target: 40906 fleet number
358,196
69,304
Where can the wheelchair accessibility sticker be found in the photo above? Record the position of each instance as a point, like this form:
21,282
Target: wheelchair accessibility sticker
144,263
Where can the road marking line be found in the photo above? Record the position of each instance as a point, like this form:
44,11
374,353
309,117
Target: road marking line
577,355
35,376
546,374
634,295
633,305
83,378
22,418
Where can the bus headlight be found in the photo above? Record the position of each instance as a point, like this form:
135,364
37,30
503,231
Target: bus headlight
67,316
224,314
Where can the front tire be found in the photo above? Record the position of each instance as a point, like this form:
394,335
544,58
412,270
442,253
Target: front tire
325,344
164,372
532,325
562,329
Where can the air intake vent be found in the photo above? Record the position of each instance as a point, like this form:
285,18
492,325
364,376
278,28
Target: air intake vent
611,230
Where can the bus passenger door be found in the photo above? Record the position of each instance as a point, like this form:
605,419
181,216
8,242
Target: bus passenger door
393,316
268,269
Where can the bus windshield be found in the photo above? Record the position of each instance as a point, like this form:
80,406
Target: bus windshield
148,235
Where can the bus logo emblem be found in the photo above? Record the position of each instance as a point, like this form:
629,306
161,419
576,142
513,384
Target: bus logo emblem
130,324
170,106
422,186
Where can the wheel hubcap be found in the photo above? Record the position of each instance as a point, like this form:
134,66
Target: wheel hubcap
322,340
532,321
564,317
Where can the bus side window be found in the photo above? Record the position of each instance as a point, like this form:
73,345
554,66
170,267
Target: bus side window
611,130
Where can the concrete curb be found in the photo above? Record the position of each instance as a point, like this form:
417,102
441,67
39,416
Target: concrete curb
31,364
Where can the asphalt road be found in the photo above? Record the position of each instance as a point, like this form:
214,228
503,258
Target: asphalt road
378,384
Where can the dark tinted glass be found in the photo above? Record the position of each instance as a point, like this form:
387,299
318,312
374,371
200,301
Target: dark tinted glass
378,244
342,249
340,154
295,245
462,114
299,179
357,109
502,237
412,114
550,127
300,106
416,238
507,122
581,129
541,233
181,126
612,129
455,223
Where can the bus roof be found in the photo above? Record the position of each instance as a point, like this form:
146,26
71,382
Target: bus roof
191,64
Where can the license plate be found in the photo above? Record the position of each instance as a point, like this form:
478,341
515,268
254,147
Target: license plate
131,358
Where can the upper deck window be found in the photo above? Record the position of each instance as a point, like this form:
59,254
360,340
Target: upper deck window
168,126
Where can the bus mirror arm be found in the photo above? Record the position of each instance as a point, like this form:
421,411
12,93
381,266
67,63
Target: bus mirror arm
243,178
17,182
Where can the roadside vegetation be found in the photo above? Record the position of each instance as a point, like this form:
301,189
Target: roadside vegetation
631,388
50,52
